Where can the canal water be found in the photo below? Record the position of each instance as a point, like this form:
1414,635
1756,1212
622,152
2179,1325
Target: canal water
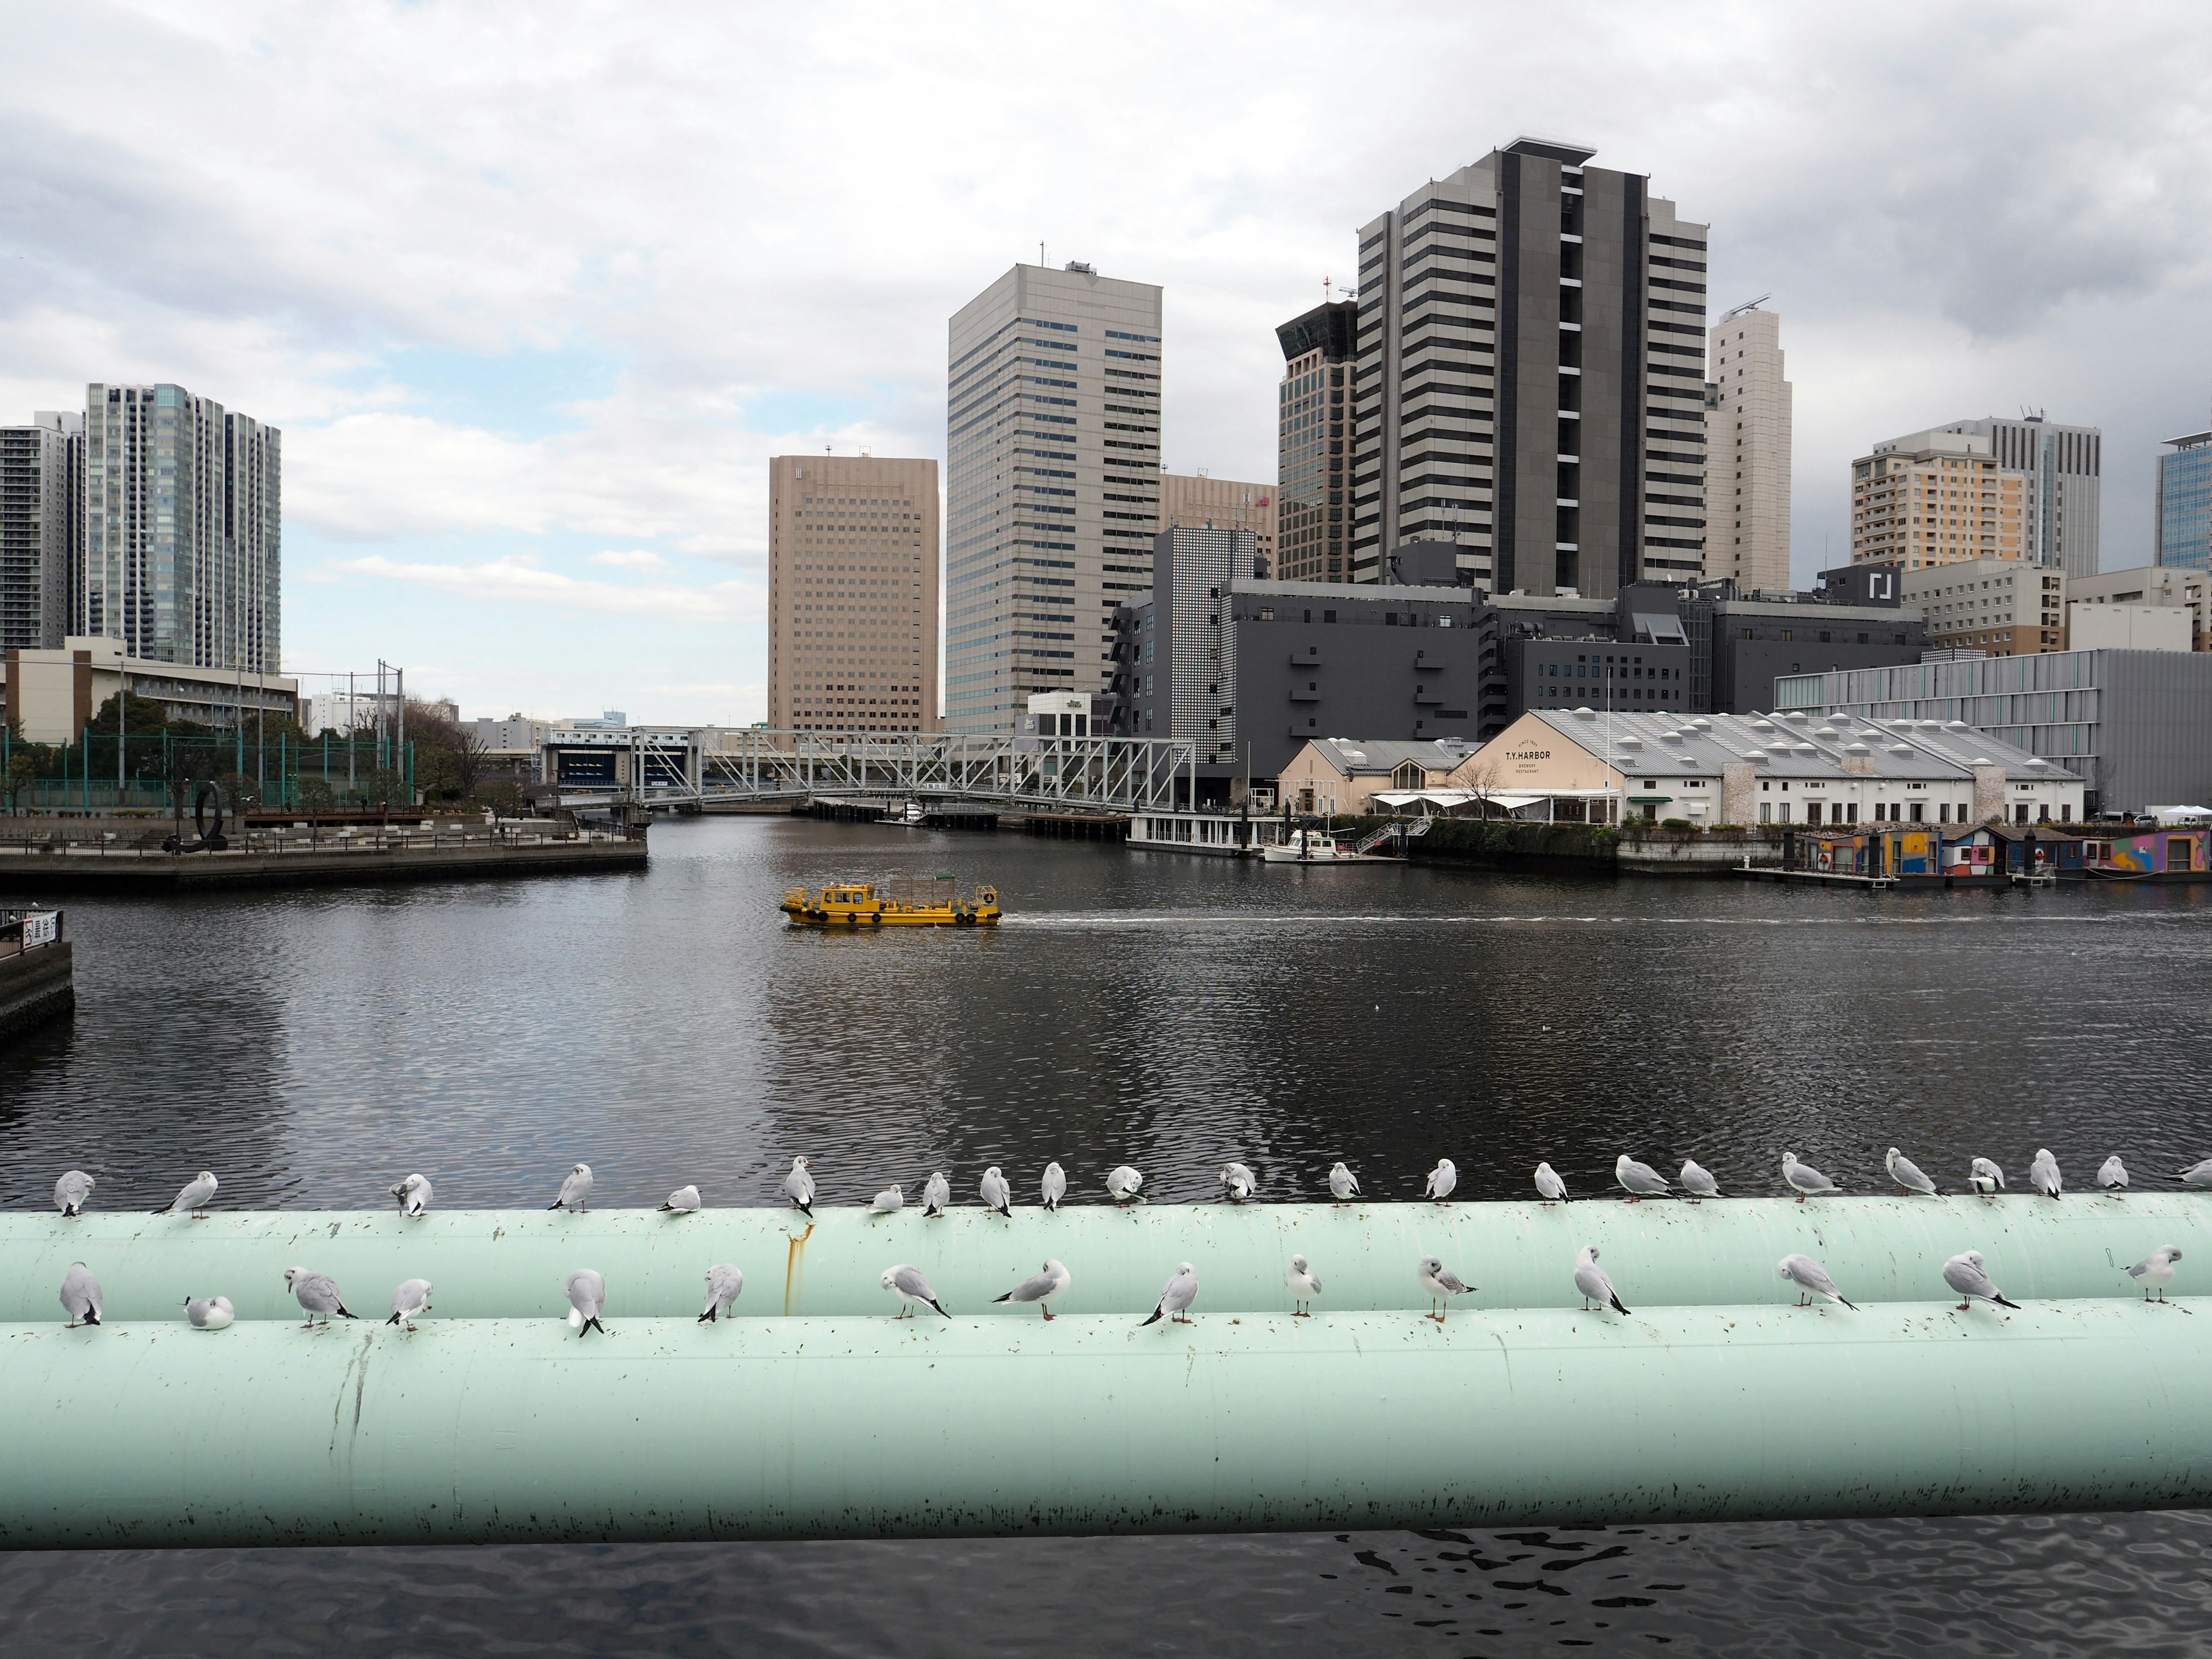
1149,1008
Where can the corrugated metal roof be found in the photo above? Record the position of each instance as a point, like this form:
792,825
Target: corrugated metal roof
1792,745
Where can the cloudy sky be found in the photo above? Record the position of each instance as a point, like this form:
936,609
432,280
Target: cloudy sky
534,289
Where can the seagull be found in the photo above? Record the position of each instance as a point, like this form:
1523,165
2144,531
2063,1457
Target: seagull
317,1293
913,1288
1038,1287
799,1187
1304,1286
71,1191
682,1201
191,1199
1963,1273
1238,1182
575,1190
1594,1283
1176,1296
2043,1173
80,1295
998,1194
588,1300
2113,1175
724,1283
1122,1185
2156,1269
936,1194
1054,1187
1441,1180
1549,1188
209,1313
1698,1181
413,1193
1907,1174
1986,1177
1809,1276
1804,1177
410,1299
1442,1284
1343,1185
1640,1180
889,1201
2198,1174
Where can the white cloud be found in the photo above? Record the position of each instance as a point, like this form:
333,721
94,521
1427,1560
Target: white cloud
636,558
515,579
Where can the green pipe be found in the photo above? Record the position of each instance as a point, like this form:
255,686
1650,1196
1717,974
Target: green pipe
136,1435
508,1264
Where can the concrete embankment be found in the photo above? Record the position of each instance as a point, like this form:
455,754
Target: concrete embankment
1584,848
36,986
77,868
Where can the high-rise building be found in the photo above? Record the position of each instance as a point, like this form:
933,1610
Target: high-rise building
1051,487
2000,607
183,528
1935,498
41,530
1748,479
2185,502
853,593
1196,501
1316,434
2063,466
1531,377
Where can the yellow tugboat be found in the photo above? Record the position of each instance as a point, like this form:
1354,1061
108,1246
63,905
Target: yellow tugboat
905,903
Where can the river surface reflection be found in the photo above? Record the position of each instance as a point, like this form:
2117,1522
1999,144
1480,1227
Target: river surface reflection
1160,1010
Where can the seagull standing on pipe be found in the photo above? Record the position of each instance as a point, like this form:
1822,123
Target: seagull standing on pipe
913,1290
317,1293
1303,1285
889,1201
998,1193
588,1300
1698,1181
2155,1271
1237,1181
1907,1174
80,1295
1811,1278
575,1190
1550,1190
71,1191
1985,1177
724,1283
413,1195
1442,1284
1039,1288
799,1187
1176,1296
192,1198
936,1194
1593,1282
2043,1173
1807,1182
1639,1180
412,1299
1441,1180
1963,1273
1122,1183
1343,1185
682,1201
1054,1187
2112,1176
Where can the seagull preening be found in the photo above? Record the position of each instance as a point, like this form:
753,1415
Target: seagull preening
1808,1181
1441,1180
1053,1187
413,1195
588,1300
2043,1173
1593,1282
317,1293
1698,1181
1237,1181
575,1190
1343,1185
1038,1287
1907,1174
799,1187
889,1201
998,1193
1811,1278
2156,1270
76,1186
191,1199
1963,1273
936,1194
1985,1177
1549,1188
1176,1296
1442,1284
412,1297
1122,1184
2113,1175
1303,1285
80,1295
209,1313
2198,1174
913,1290
682,1201
724,1283
1639,1180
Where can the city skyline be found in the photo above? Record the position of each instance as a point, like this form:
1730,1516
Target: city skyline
528,414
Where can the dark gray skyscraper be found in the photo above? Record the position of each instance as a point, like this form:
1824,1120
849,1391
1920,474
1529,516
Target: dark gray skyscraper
1531,377
41,525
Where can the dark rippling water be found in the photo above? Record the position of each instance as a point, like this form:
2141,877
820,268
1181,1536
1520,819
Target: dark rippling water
1166,1011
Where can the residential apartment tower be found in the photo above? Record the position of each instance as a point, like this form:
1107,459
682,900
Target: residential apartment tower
41,530
1935,498
2062,464
1747,533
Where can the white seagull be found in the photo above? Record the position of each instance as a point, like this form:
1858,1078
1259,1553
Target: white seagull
1593,1282
1985,1177
1441,1180
1122,1185
1054,1187
2113,1175
192,1198
1303,1285
412,1299
724,1283
413,1195
1343,1185
1698,1181
1442,1284
575,1190
799,1187
682,1201
1549,1188
1907,1174
2043,1173
209,1313
1237,1181
317,1293
1809,1276
1640,1180
71,1191
1808,1181
889,1201
936,1194
588,1300
998,1193
80,1295
1039,1288
1963,1273
1176,1296
913,1291
2198,1174
2156,1270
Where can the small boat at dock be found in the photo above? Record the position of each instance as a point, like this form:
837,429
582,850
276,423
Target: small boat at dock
933,902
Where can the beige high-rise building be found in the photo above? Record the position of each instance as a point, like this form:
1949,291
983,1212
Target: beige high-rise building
1748,499
853,594
2003,607
1196,501
1935,498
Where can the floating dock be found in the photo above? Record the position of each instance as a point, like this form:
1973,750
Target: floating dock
267,860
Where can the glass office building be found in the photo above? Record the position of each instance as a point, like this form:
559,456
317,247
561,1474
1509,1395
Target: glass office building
2185,502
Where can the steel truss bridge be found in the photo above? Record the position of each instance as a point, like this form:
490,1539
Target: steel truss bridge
698,771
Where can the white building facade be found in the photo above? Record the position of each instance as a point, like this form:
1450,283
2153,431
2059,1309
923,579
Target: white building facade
1747,487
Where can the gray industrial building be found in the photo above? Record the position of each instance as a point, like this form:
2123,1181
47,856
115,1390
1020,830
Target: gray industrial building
2136,725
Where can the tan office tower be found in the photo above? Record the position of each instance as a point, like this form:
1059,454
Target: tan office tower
1747,492
853,594
1316,434
1935,498
1196,501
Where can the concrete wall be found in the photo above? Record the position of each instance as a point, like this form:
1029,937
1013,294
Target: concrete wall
2128,628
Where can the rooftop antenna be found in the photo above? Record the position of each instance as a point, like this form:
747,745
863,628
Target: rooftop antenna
1748,305
1328,291
1040,253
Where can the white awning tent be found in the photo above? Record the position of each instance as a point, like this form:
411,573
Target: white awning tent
1467,803
2175,817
